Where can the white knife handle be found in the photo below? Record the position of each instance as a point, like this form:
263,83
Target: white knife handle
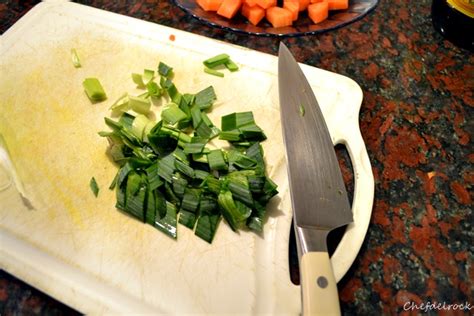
318,285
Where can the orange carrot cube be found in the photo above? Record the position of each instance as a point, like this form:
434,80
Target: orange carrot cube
279,17
318,12
229,8
254,14
209,5
265,4
338,4
293,7
304,4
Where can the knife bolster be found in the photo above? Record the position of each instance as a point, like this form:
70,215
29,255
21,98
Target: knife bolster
310,239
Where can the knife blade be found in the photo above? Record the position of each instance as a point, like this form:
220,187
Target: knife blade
318,194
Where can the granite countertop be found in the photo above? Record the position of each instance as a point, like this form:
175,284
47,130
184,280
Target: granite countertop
417,123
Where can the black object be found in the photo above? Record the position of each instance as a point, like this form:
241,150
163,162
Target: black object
454,25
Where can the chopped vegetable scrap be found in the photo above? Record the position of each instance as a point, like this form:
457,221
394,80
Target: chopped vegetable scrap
75,58
94,89
170,172
278,16
220,60
94,186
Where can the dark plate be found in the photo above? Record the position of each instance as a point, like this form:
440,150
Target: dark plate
303,26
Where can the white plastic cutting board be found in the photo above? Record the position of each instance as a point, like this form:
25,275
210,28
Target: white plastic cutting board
58,237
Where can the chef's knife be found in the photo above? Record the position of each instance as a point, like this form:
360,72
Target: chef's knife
318,193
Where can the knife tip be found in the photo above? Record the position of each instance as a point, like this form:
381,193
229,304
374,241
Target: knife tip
282,48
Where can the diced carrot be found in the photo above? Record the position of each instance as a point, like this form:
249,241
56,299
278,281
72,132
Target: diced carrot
210,5
316,1
293,7
254,14
250,3
279,17
229,8
304,4
318,12
266,3
338,4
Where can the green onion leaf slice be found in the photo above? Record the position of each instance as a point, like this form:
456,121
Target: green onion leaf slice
139,105
231,65
217,60
75,58
216,160
172,114
94,89
168,223
165,70
94,186
205,98
213,72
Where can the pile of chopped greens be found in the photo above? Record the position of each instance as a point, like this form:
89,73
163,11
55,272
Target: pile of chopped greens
170,172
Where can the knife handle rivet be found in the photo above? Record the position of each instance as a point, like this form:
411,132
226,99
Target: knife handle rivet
322,282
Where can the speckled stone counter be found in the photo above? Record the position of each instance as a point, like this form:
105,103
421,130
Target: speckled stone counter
417,122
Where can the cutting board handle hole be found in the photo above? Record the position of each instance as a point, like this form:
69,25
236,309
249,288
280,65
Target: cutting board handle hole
347,170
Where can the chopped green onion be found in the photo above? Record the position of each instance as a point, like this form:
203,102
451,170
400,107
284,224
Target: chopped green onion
94,89
215,61
143,80
252,132
239,187
236,120
216,160
302,110
154,180
255,221
184,168
256,183
167,170
234,212
200,158
200,174
209,219
174,94
168,223
205,98
126,120
207,131
179,186
94,186
231,65
213,72
139,105
151,207
138,80
233,135
213,184
171,196
172,114
187,219
181,156
121,104
191,200
196,145
241,160
165,83
153,89
75,58
135,196
165,70
148,76
138,126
